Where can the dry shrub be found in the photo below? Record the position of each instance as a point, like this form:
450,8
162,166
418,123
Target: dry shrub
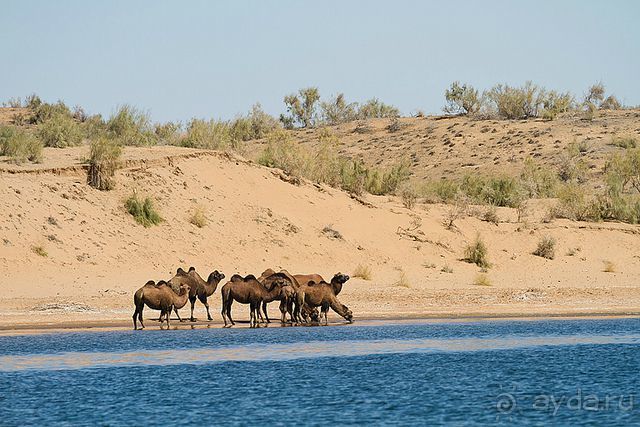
331,233
198,217
491,215
409,196
104,159
609,267
403,280
61,130
546,248
40,250
482,280
362,271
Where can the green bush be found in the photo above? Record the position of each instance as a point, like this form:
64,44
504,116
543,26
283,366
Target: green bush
461,99
301,108
143,211
60,130
376,109
337,110
576,204
211,134
131,126
19,145
104,159
168,133
283,153
42,111
445,190
572,167
554,103
476,253
516,102
255,125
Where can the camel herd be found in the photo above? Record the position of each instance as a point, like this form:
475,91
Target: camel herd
300,296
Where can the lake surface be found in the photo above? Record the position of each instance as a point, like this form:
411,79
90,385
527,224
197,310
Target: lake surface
576,372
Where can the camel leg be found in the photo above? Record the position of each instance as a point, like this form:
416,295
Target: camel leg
283,311
223,312
193,304
178,315
140,316
135,316
266,313
206,304
167,313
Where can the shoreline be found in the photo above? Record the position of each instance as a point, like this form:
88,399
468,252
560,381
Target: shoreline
37,328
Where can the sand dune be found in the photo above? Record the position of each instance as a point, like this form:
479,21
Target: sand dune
97,255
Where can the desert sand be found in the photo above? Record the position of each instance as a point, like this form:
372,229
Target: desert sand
97,255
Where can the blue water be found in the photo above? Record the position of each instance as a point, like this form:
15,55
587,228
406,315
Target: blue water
551,372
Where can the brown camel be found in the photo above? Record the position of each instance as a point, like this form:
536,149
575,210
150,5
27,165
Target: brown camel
199,288
287,297
322,295
247,291
158,297
337,281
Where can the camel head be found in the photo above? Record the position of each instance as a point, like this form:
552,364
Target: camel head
184,288
215,277
340,278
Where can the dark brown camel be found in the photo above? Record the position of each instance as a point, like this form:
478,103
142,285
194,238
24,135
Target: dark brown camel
199,288
286,298
247,290
337,281
322,295
158,297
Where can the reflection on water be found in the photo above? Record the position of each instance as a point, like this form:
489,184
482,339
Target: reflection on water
281,352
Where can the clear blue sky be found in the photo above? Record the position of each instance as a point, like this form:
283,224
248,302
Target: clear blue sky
180,59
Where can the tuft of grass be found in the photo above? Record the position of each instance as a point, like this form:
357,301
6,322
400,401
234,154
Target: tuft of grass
546,248
198,218
104,159
476,253
143,211
428,265
40,250
362,271
482,280
403,280
132,127
609,267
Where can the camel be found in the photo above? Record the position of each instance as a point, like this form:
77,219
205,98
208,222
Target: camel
158,297
322,295
199,288
248,291
337,281
287,297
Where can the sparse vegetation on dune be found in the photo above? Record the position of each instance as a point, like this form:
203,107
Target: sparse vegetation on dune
198,217
19,145
482,280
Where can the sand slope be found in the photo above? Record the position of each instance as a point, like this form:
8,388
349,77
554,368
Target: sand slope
97,256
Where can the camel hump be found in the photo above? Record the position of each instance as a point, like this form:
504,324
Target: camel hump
236,278
150,283
161,282
180,271
311,283
192,269
250,277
